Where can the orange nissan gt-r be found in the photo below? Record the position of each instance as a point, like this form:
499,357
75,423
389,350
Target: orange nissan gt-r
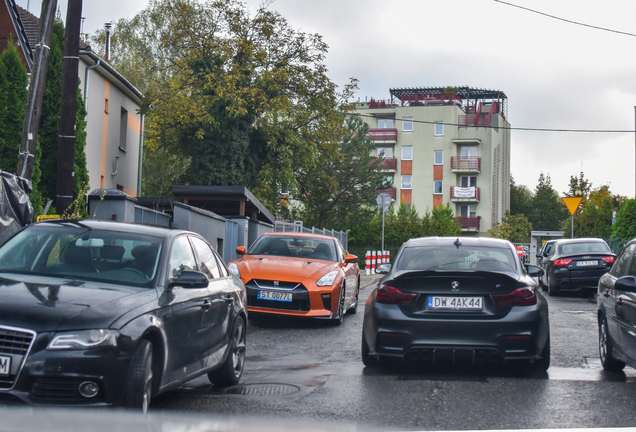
299,274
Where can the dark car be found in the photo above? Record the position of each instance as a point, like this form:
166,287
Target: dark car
450,300
576,264
542,257
616,301
98,313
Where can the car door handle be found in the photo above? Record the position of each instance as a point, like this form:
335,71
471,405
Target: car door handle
206,305
619,301
606,294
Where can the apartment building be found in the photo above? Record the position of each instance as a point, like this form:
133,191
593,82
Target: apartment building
445,145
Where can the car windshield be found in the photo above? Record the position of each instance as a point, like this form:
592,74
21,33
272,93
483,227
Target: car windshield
586,247
78,252
453,258
302,247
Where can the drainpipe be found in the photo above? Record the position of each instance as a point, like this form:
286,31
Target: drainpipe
141,154
86,77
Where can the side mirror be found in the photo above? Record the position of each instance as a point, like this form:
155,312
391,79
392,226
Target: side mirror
190,279
240,250
534,271
383,268
626,283
351,258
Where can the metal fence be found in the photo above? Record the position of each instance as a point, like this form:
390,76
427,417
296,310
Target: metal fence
297,226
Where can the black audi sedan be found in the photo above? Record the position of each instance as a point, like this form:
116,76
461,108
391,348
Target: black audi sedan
576,264
616,299
448,300
98,313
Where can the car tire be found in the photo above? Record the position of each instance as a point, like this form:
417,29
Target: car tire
553,290
139,391
354,307
367,360
339,318
544,364
230,372
605,348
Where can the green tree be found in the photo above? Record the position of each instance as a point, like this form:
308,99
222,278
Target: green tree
625,226
14,77
579,186
440,222
594,216
515,228
548,211
337,192
218,73
520,199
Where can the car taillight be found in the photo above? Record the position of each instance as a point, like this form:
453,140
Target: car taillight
391,295
562,262
609,260
520,297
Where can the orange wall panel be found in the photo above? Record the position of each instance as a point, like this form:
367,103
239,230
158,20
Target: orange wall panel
406,167
405,196
438,172
438,200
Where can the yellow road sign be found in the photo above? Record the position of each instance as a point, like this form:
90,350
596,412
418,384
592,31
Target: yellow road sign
572,203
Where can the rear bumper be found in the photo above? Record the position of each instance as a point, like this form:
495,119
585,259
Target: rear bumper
520,335
567,279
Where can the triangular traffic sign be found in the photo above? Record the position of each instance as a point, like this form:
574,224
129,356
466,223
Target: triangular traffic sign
572,203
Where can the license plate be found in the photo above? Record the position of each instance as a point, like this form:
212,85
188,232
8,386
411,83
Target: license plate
586,263
5,365
275,295
456,303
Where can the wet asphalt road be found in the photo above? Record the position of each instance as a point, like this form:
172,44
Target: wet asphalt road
311,371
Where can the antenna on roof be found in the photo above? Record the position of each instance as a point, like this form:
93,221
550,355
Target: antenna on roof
458,243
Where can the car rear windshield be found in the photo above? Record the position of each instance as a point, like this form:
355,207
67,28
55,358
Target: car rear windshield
583,247
478,258
303,247
79,252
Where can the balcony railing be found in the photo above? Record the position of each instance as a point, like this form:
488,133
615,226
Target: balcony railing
468,223
387,163
388,134
466,163
390,191
459,193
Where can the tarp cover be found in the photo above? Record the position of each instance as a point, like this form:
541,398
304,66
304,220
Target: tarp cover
16,210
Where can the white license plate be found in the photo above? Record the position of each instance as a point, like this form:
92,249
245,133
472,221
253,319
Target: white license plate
275,295
456,303
586,263
5,365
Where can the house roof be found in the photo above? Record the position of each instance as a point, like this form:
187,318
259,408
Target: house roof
104,68
18,31
31,25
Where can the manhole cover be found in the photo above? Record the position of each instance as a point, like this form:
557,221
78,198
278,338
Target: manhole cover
263,390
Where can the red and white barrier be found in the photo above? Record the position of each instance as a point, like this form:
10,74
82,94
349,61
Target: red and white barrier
367,262
372,262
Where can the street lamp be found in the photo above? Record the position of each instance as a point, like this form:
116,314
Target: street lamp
384,201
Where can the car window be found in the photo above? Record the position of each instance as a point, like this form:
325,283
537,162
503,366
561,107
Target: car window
207,260
549,249
620,266
181,257
586,247
453,258
295,246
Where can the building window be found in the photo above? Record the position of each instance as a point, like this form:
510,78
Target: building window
437,187
468,181
407,124
406,182
438,158
468,151
407,152
439,128
385,152
385,123
123,129
468,211
388,181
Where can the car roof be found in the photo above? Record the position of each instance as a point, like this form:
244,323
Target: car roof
466,241
298,234
119,226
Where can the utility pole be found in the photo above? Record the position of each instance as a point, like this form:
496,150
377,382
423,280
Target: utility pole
68,111
36,91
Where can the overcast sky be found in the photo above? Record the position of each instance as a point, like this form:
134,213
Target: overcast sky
556,74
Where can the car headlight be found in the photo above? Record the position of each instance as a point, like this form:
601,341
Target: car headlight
328,279
233,268
84,339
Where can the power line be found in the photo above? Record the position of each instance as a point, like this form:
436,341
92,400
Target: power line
511,128
566,20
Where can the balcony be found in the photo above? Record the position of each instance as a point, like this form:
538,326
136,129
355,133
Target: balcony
388,134
470,164
388,164
464,194
390,191
468,223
